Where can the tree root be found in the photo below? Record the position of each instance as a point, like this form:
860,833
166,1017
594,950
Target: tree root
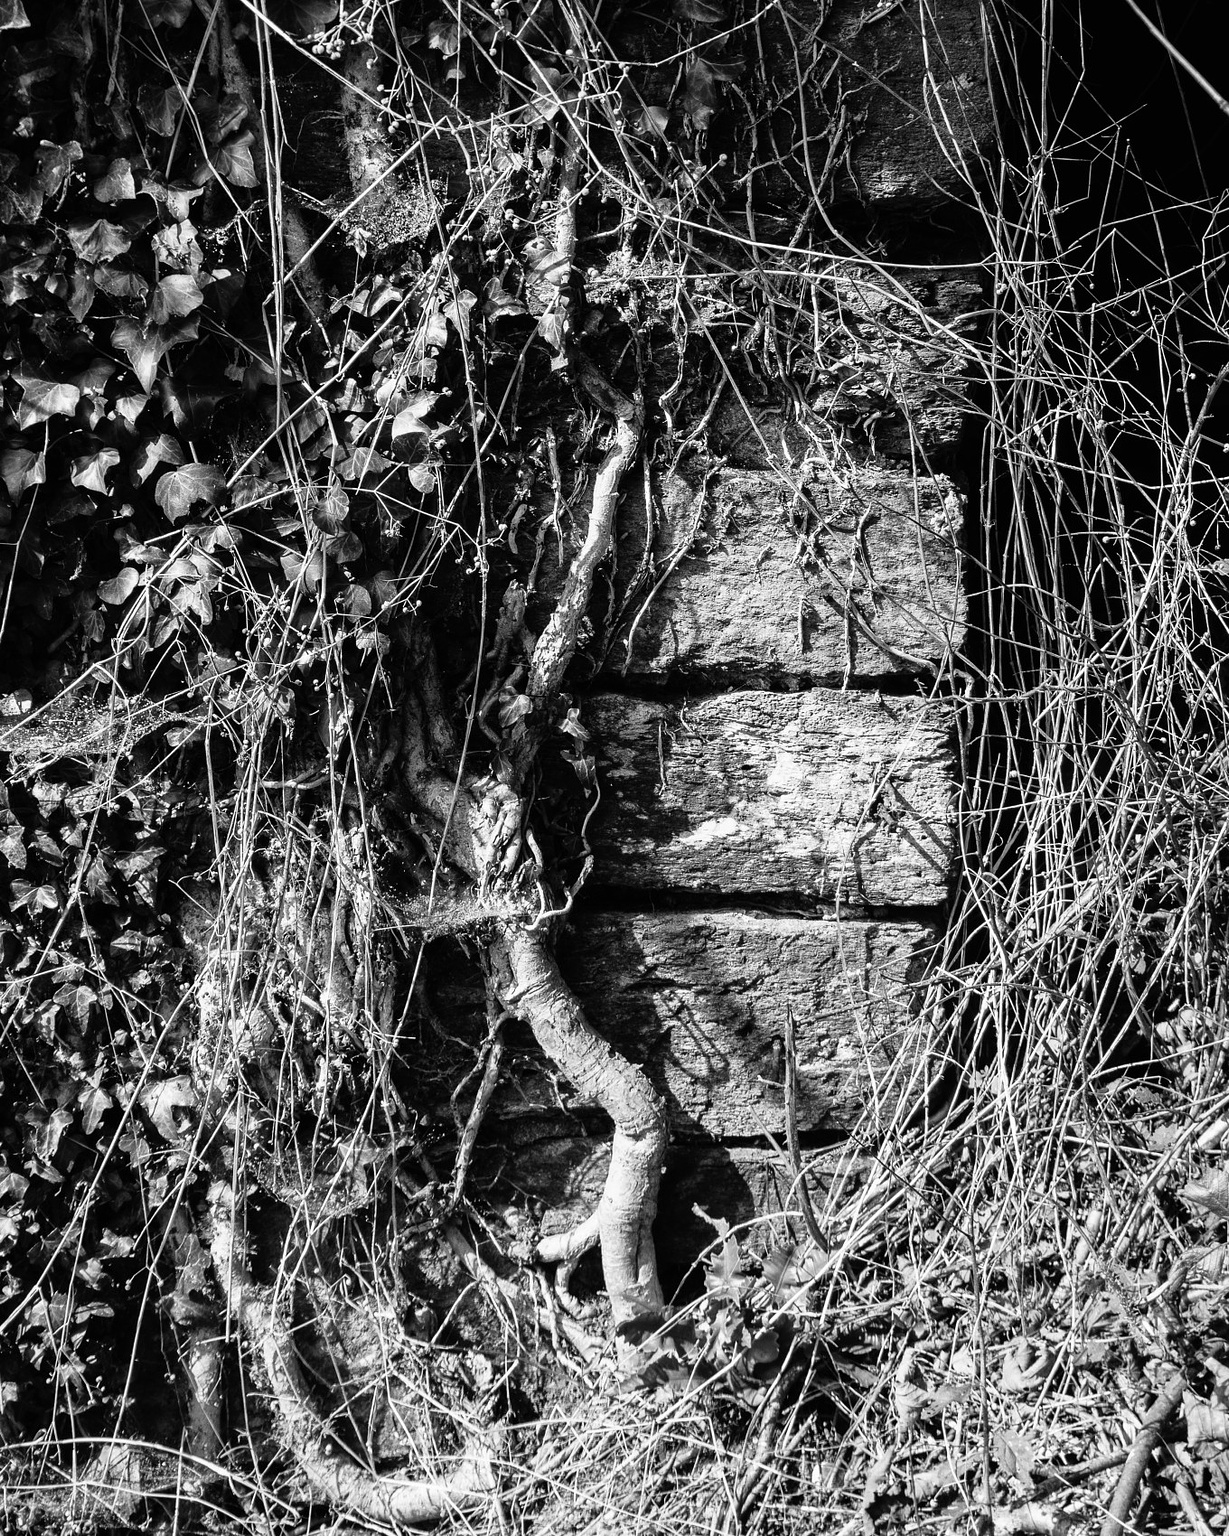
328,1468
531,986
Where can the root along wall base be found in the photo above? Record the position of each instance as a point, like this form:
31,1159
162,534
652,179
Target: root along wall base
700,998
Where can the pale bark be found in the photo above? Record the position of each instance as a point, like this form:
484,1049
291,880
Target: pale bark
326,1464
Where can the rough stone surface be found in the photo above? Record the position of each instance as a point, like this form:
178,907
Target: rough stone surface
829,795
851,575
901,123
919,68
700,998
887,369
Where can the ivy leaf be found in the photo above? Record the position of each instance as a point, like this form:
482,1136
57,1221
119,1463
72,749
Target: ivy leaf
310,571
12,14
174,296
44,398
234,160
330,513
97,240
93,379
121,587
170,13
410,420
90,470
445,36
117,183
179,198
383,587
152,451
179,491
700,97
344,548
143,348
459,310
55,162
499,303
81,291
162,1102
363,462
21,468
312,15
36,898
159,108
146,345
653,122
119,283
77,1001
423,476
94,1102
356,601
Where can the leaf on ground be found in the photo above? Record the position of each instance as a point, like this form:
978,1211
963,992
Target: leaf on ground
1206,1423
179,491
1026,1367
98,240
1210,1194
1015,1456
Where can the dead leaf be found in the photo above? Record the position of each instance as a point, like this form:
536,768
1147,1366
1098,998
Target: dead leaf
163,1100
1211,1194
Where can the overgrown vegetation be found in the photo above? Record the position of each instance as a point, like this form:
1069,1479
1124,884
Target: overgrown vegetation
333,332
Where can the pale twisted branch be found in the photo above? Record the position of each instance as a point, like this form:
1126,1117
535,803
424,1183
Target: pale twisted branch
531,986
329,1469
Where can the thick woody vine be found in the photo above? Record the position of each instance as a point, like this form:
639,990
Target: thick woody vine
253,428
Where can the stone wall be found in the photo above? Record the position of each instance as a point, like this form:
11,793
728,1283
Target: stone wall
776,755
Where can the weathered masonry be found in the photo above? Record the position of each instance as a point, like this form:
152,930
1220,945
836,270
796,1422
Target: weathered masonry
775,834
